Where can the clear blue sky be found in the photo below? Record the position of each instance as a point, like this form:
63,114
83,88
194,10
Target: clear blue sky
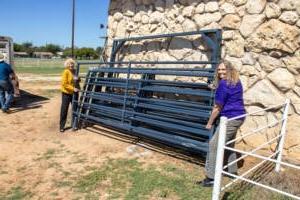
50,21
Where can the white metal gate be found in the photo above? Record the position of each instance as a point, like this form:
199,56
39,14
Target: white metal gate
275,157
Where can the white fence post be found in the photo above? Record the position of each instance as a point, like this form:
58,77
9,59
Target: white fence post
282,133
219,159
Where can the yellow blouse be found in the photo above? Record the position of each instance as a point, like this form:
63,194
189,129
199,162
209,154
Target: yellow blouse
67,82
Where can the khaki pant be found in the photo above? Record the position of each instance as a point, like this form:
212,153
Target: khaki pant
229,156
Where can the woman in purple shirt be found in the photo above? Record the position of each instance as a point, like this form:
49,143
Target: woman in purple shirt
229,103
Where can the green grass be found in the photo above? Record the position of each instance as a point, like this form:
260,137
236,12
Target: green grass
128,179
16,193
42,66
39,66
255,193
39,70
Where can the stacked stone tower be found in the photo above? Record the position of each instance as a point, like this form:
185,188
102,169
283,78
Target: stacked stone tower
261,38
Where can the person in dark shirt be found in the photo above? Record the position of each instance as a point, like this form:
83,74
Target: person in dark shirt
229,103
6,87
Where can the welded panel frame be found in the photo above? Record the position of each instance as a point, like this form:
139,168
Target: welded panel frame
212,39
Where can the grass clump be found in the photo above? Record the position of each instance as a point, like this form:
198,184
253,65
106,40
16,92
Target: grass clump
50,92
285,181
50,153
16,193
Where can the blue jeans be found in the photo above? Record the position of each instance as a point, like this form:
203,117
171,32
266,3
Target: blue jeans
6,94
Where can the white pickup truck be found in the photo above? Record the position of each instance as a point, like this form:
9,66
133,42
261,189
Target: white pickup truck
7,48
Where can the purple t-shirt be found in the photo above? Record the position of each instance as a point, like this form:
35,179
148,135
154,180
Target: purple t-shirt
230,98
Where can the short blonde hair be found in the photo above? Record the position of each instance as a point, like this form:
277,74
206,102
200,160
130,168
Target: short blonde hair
69,61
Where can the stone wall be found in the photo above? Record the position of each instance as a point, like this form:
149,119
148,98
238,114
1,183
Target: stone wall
261,37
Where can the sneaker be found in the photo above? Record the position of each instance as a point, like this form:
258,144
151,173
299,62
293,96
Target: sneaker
61,130
207,182
7,111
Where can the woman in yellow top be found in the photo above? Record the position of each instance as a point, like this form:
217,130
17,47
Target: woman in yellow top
68,89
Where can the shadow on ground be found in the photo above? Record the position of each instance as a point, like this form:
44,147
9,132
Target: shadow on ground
172,151
27,101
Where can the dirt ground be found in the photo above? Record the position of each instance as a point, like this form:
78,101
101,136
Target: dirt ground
37,158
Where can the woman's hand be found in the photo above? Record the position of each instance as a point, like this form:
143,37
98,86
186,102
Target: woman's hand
76,90
211,86
208,126
214,114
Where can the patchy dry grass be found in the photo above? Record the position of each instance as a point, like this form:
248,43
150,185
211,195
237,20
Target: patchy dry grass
131,179
128,179
50,92
16,193
50,153
285,181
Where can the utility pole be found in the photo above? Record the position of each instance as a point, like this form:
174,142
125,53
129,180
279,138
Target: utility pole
73,27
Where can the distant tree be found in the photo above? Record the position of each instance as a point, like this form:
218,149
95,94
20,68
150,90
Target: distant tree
86,53
40,49
67,52
53,48
27,45
18,47
79,53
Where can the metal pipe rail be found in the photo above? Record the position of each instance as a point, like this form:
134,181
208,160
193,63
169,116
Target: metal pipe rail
248,171
263,186
264,158
161,137
138,103
277,160
156,71
126,63
137,38
258,111
253,151
162,89
155,82
212,38
170,103
155,120
143,100
252,132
